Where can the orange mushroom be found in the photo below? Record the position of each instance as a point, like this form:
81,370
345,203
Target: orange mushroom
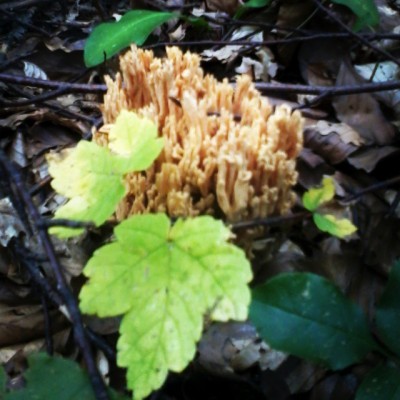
226,149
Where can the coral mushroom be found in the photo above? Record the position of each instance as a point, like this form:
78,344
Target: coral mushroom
226,149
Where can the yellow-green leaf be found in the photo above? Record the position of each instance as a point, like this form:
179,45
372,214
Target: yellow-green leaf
92,177
336,227
314,197
163,280
136,139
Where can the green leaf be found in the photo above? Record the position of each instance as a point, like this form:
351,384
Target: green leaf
256,3
382,383
108,38
49,378
135,138
93,178
163,280
365,10
3,381
336,227
307,316
249,5
314,197
388,311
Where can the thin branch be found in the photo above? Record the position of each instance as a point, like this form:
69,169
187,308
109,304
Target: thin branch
26,260
372,188
270,42
271,221
69,87
34,99
14,175
327,91
360,38
262,86
68,223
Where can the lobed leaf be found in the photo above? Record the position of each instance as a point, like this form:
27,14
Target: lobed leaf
92,177
307,316
163,280
315,197
336,227
381,383
365,10
108,38
387,315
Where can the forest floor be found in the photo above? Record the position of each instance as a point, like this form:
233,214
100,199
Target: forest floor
300,53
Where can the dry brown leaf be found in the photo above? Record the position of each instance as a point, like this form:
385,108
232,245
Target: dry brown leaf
346,132
235,346
319,60
368,158
361,111
330,147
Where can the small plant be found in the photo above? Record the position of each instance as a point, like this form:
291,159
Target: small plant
306,315
109,38
162,279
92,177
316,199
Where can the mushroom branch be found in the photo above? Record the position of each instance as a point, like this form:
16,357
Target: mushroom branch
226,151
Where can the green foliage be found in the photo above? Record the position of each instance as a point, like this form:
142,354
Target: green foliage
306,315
314,200
93,178
250,4
163,280
316,197
334,226
3,381
382,383
108,38
365,10
48,378
388,312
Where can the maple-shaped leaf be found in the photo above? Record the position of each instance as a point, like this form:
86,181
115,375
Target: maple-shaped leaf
336,227
92,177
314,197
163,280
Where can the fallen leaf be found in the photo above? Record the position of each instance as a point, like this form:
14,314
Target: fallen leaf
361,111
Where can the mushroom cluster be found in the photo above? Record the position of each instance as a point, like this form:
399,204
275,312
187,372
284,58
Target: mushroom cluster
227,152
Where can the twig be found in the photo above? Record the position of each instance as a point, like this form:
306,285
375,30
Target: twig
327,91
34,99
262,86
372,188
61,110
54,296
297,39
47,325
47,223
69,300
360,38
69,87
271,221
